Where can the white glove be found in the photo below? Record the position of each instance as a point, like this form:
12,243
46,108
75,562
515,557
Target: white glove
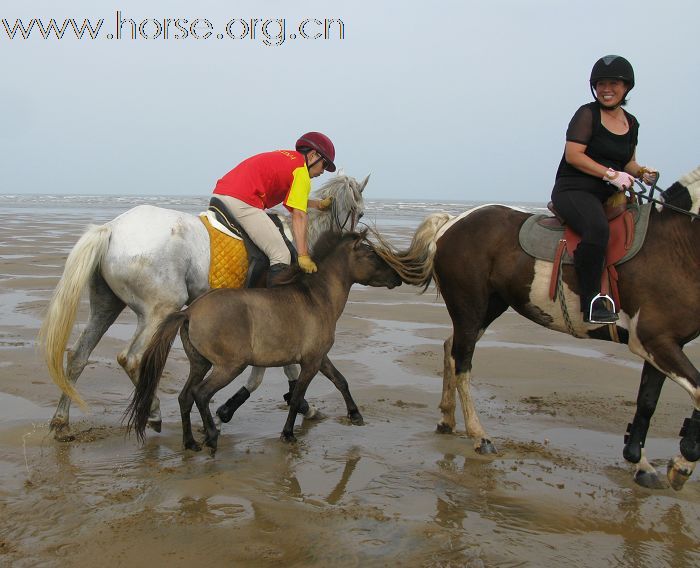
621,180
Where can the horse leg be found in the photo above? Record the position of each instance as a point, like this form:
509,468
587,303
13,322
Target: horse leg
130,358
225,412
199,366
202,393
448,402
337,378
649,391
665,354
681,467
307,410
105,307
307,373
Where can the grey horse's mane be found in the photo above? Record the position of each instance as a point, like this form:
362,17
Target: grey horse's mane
346,192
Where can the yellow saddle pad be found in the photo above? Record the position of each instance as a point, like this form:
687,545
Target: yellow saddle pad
229,259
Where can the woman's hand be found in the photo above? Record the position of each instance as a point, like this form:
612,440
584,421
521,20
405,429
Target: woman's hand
648,175
621,180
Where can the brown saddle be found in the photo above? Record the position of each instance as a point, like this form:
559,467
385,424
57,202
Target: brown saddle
547,238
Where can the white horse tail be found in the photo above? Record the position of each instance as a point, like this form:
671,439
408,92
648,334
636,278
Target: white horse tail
415,265
81,264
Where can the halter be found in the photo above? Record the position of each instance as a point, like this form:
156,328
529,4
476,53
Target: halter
650,197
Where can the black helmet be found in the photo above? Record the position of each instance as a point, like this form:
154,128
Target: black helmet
613,67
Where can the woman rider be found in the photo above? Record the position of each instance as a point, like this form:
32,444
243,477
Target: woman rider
599,159
271,178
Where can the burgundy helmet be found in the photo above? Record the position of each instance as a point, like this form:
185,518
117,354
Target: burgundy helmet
322,144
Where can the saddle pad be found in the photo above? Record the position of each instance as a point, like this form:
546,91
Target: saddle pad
541,241
229,260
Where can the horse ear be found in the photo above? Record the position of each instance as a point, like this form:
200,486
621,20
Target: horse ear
364,183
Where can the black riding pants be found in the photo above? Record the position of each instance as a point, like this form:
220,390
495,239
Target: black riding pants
584,213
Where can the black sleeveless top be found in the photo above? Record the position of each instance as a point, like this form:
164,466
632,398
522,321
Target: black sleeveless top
606,148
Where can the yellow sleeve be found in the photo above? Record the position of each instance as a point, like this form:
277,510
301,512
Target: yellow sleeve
298,194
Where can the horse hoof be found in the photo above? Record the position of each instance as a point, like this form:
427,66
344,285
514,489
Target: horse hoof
224,413
443,428
288,438
313,413
356,418
156,425
677,476
486,447
194,446
649,480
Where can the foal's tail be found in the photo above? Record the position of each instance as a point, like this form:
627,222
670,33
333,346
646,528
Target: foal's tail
415,265
150,371
81,264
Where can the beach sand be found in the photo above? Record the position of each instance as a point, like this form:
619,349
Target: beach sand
390,493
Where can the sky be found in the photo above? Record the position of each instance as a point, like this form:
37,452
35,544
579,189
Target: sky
443,100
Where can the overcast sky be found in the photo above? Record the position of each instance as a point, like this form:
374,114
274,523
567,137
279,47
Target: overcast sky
438,100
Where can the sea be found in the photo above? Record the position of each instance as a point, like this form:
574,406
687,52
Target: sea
398,218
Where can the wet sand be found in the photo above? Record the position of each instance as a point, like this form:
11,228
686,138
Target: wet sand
390,493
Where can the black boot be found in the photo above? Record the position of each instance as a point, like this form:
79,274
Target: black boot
272,273
588,262
226,410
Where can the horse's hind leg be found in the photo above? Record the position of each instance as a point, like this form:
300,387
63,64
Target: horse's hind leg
448,402
647,398
202,393
199,366
148,321
104,309
337,378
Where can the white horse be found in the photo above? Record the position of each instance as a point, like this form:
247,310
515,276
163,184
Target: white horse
155,261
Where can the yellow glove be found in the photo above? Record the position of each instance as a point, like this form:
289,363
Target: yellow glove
325,203
306,264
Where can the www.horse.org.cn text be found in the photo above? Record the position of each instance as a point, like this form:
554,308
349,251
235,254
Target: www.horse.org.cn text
268,31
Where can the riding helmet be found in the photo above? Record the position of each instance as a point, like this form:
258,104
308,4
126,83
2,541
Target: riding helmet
322,144
613,67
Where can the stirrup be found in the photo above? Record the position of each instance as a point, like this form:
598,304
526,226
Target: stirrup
610,317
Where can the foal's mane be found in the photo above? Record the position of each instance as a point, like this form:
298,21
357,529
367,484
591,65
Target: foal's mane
325,245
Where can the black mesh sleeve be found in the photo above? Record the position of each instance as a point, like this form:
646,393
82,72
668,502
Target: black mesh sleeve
580,128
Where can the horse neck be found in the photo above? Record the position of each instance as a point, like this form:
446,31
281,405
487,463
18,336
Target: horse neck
331,284
319,223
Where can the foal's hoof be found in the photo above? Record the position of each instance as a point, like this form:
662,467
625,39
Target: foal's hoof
288,438
443,428
649,480
486,447
224,413
156,425
356,418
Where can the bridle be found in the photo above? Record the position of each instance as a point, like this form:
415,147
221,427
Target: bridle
649,197
352,213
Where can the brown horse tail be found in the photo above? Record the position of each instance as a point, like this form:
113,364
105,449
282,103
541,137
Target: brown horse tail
150,371
415,265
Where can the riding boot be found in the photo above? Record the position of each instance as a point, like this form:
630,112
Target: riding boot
304,406
256,268
588,262
273,272
226,410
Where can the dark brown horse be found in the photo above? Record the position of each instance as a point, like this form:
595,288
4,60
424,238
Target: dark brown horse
480,269
231,329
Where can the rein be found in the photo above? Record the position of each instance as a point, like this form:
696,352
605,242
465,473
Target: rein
650,197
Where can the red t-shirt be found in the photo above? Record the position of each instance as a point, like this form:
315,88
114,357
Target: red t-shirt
267,179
